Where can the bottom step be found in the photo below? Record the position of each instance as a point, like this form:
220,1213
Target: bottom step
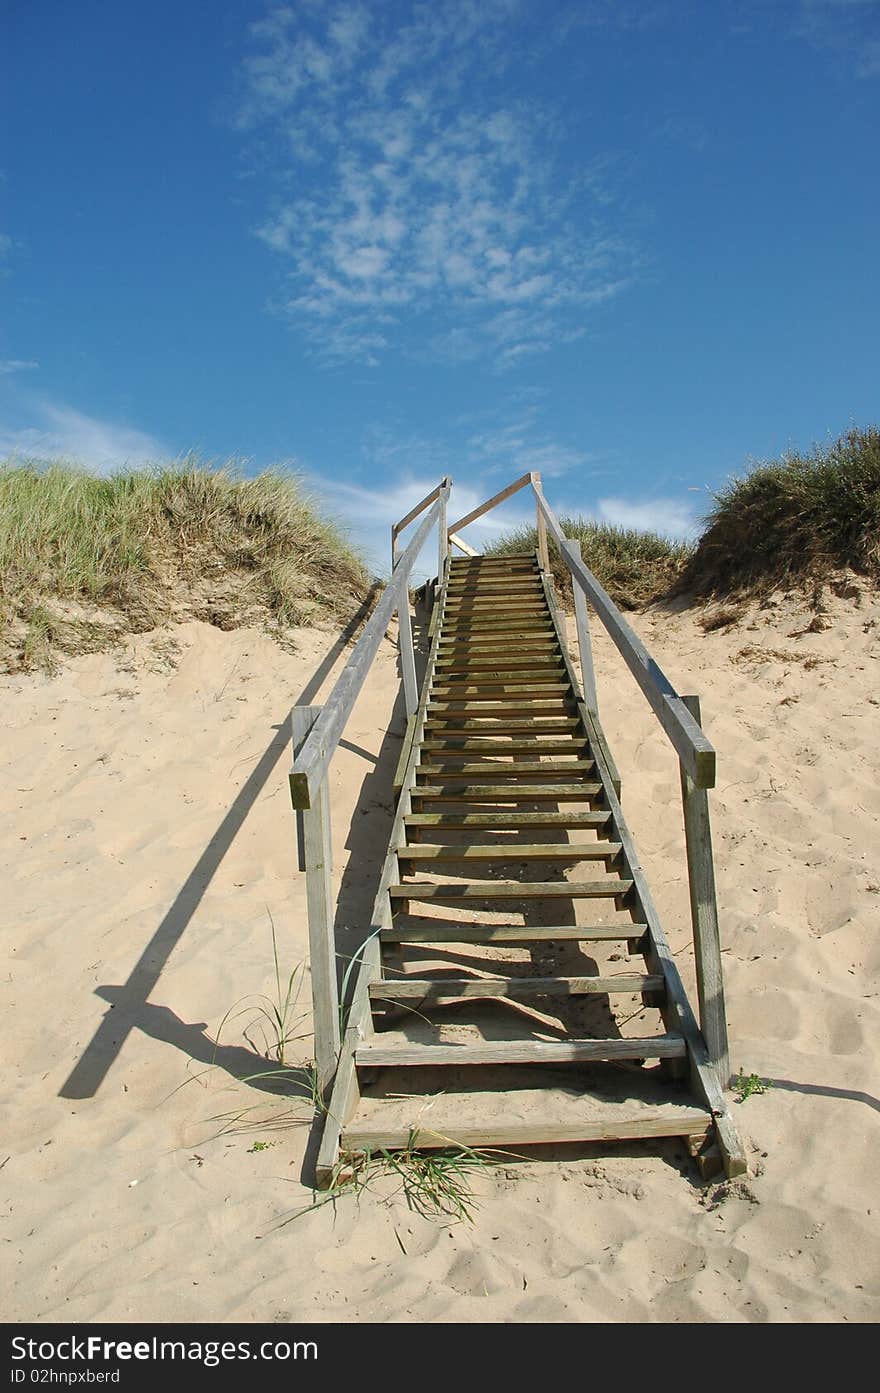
524,1117
386,1050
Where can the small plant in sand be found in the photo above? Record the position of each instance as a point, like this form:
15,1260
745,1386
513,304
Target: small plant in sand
749,1086
272,1023
434,1184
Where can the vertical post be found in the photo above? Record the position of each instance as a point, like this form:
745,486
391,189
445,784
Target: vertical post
704,916
543,553
407,654
585,647
316,859
443,539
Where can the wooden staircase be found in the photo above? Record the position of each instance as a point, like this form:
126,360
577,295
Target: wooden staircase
520,989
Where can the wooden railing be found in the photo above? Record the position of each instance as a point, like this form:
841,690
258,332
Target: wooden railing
316,732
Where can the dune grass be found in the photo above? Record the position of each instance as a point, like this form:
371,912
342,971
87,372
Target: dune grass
634,567
85,560
793,521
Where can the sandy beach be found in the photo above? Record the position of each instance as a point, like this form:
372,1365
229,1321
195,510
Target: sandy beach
148,848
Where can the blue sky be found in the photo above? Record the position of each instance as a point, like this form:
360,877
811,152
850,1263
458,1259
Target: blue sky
632,245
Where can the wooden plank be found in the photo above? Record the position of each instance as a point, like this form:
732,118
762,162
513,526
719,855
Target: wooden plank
432,931
704,916
495,769
514,1133
598,740
407,656
492,502
376,1054
461,544
510,851
462,665
513,745
609,889
317,858
489,689
448,726
312,762
444,711
403,760
426,989
502,821
494,793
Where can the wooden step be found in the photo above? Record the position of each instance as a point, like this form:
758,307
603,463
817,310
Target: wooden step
515,745
492,690
510,851
494,793
462,666
609,889
515,770
643,1108
436,931
404,1054
449,726
432,990
505,821
448,710
493,587
481,629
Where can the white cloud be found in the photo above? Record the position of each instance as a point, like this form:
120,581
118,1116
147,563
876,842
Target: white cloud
59,431
668,516
416,192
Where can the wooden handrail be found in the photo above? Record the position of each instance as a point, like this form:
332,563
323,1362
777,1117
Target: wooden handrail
397,527
319,746
492,502
696,753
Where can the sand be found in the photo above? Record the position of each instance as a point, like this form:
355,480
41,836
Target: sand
148,848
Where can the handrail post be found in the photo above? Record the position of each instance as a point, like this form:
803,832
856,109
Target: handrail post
585,647
407,654
317,862
704,916
543,553
442,541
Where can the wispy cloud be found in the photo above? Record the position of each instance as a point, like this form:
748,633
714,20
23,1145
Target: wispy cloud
669,516
59,431
11,365
425,211
851,27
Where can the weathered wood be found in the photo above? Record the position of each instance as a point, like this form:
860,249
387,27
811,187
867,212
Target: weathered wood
512,890
432,931
582,621
479,668
407,656
696,752
502,821
468,745
489,689
704,916
403,759
492,502
426,989
514,1133
543,553
515,769
448,727
314,758
598,741
442,711
461,544
511,851
317,856
496,793
376,1053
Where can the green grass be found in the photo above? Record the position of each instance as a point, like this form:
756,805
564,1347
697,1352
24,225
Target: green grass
85,560
634,567
793,521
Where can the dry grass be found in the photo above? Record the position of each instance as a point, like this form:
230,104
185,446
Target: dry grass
634,567
794,521
85,560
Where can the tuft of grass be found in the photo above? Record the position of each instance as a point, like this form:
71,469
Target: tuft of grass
793,520
434,1184
634,567
85,560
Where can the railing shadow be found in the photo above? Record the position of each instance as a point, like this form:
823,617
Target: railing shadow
127,1010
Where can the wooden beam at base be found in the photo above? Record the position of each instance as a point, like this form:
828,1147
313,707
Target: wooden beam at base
432,931
375,1054
426,989
684,1122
